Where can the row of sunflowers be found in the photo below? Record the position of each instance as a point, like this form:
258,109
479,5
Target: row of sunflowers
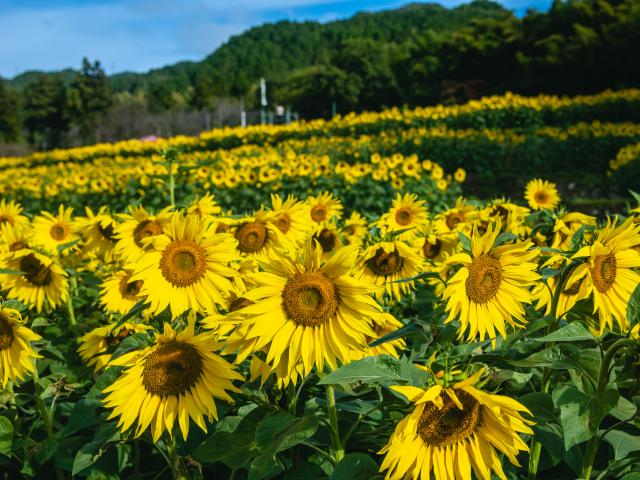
440,338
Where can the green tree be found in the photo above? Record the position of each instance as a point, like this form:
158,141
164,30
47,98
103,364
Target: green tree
44,111
203,93
90,97
9,114
160,97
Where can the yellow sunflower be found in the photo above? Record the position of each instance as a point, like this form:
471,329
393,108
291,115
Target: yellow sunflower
355,229
454,431
120,294
323,208
384,263
608,269
434,248
457,219
94,344
291,217
541,194
571,293
328,238
388,323
406,213
307,312
491,286
98,232
205,207
11,213
186,267
42,279
14,238
51,232
16,354
135,227
566,226
511,217
175,378
257,235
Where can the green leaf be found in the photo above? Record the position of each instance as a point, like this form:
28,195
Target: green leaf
8,271
94,450
635,195
306,471
6,436
558,357
399,333
65,246
355,466
132,342
549,272
465,241
573,332
540,404
622,442
379,369
633,307
503,238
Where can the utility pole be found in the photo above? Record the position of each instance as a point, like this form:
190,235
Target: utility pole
263,101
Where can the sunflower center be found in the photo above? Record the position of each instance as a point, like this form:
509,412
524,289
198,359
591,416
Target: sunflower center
6,219
106,231
58,231
251,237
318,213
327,239
283,222
183,263
403,217
144,229
172,369
604,271
573,289
239,303
130,290
349,230
431,250
441,427
309,299
385,263
485,275
35,271
453,219
118,337
222,227
19,245
541,197
6,333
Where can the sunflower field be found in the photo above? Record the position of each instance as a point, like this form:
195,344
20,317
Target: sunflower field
409,294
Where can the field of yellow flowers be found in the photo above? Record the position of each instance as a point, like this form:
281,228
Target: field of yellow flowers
326,300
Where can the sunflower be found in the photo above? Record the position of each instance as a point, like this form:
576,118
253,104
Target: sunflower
328,238
454,431
42,278
16,354
511,217
175,378
355,229
120,294
406,213
491,286
135,227
457,219
434,248
608,270
388,323
205,207
51,232
257,235
383,264
14,238
541,194
291,217
10,213
566,226
186,267
322,209
571,293
306,313
98,232
94,344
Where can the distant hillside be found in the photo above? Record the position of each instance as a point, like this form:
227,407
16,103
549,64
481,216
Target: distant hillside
275,49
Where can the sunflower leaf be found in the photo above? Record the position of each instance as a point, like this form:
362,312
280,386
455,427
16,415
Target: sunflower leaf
6,436
380,369
633,307
465,242
8,271
355,466
573,332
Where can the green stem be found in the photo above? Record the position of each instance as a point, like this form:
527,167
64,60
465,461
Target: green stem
603,381
44,413
337,449
72,289
136,460
172,185
172,456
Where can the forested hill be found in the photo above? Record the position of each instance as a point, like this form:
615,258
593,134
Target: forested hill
276,49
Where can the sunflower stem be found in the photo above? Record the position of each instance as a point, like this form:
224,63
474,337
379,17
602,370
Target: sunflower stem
603,381
337,450
73,285
44,413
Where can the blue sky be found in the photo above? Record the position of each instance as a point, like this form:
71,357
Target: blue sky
137,35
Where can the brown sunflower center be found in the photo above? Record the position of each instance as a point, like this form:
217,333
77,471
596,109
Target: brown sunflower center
283,222
251,237
115,339
222,227
130,290
319,213
501,212
485,275
441,427
349,230
385,263
453,219
327,239
6,333
144,229
541,197
573,289
309,299
239,303
106,231
183,263
172,369
59,231
404,216
35,271
6,219
19,245
604,271
431,250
